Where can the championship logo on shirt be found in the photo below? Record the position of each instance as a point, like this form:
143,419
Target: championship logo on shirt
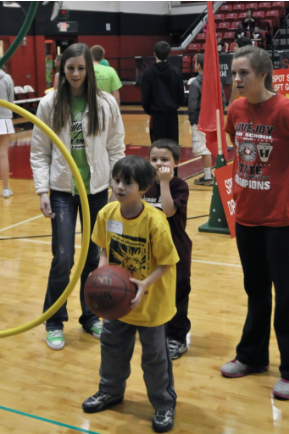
130,253
247,151
264,150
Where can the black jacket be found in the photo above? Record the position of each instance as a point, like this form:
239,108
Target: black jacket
194,100
162,88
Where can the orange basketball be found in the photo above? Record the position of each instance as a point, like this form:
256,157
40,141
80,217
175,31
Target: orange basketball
108,292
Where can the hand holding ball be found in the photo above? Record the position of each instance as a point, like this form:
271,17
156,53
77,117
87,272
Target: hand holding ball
108,292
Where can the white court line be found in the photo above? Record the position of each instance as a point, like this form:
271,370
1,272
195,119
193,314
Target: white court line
79,247
31,241
189,161
21,223
217,263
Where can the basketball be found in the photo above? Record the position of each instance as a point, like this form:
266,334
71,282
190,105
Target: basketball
108,292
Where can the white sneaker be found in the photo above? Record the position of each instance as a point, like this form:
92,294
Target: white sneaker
7,192
55,339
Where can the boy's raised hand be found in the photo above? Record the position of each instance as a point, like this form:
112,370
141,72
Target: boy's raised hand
165,174
141,287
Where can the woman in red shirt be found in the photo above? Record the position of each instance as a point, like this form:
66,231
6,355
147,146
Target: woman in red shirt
258,125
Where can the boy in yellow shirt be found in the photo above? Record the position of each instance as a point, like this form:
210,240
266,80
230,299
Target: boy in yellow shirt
136,236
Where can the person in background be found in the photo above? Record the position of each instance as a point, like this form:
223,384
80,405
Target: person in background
249,22
6,129
221,45
57,63
106,76
198,137
162,94
257,38
89,123
240,32
49,69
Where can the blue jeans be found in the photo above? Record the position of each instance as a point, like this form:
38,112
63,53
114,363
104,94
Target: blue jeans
65,206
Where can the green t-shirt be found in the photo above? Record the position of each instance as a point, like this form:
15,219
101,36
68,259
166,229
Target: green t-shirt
77,142
48,67
107,78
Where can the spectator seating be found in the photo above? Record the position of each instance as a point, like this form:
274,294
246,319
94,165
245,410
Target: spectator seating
26,97
238,7
203,48
234,25
186,64
224,26
194,48
229,37
30,93
201,37
251,6
220,34
273,16
219,17
225,8
20,95
264,6
279,6
231,17
242,15
259,15
232,46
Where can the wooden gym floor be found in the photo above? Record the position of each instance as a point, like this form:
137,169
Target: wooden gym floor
41,391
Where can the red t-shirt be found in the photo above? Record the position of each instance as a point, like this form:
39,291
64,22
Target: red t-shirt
261,164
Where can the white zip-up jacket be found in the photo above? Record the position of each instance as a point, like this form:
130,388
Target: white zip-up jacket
50,170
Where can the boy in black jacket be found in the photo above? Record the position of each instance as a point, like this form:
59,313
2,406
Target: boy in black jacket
163,94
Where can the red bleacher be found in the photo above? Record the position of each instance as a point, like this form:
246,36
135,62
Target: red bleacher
238,7
232,13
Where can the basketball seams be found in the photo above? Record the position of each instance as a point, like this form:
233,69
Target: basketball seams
114,309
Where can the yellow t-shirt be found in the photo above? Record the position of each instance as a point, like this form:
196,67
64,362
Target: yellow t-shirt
140,245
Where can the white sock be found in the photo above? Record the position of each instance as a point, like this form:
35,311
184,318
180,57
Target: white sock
207,172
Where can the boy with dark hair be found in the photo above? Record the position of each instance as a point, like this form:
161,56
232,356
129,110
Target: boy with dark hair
134,235
163,94
170,194
162,50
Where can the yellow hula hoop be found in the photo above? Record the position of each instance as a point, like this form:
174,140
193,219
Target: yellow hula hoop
86,220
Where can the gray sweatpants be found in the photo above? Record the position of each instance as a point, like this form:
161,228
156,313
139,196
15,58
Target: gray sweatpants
117,345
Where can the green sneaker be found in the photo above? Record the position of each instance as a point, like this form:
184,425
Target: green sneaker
55,339
96,328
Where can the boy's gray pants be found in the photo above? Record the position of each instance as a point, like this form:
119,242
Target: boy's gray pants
117,345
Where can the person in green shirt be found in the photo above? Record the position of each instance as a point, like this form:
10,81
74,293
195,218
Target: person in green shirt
106,76
48,69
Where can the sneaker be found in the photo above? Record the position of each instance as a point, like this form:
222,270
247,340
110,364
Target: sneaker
55,339
163,421
96,328
177,349
100,401
7,192
203,181
281,389
235,369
